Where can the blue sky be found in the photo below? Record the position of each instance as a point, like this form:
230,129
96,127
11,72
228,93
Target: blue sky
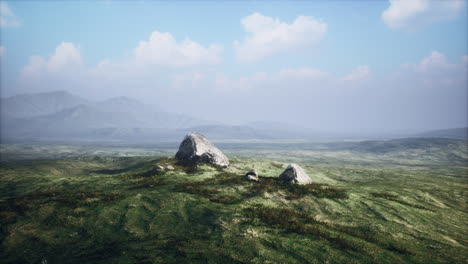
109,29
334,44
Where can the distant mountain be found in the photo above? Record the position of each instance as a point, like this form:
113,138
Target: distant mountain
125,104
62,116
65,117
460,133
30,105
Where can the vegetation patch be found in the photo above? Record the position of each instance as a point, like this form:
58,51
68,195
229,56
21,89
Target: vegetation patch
216,188
301,223
295,191
67,198
293,221
395,198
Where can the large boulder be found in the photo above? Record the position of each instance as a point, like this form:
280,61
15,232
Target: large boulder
196,149
295,174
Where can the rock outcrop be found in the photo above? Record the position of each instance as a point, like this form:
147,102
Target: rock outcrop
295,174
252,175
196,149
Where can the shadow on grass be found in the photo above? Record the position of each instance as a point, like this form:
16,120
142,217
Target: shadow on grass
216,189
396,198
19,205
296,191
127,169
292,221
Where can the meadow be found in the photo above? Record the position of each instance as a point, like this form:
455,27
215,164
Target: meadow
397,201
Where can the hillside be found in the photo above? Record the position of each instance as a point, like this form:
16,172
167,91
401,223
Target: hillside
365,206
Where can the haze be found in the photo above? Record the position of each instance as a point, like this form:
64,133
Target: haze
340,66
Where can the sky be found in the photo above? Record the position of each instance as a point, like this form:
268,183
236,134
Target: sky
341,66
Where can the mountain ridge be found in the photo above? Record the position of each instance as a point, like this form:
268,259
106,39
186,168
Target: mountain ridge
60,115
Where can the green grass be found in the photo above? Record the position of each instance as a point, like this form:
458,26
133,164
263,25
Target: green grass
117,210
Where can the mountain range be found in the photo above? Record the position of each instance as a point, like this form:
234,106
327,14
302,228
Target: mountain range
61,116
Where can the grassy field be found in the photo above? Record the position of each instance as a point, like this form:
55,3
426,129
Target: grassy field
400,201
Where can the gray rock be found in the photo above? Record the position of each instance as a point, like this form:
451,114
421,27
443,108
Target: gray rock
169,167
252,175
252,172
196,149
158,168
295,174
252,178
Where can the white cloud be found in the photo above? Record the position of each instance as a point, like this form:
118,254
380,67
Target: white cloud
414,13
434,63
267,36
66,58
7,17
436,71
360,73
66,55
435,60
162,49
2,51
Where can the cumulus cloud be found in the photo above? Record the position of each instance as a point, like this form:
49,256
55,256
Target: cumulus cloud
267,36
360,73
151,62
7,17
435,70
406,14
162,49
434,61
65,58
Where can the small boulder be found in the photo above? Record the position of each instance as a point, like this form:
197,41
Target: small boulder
295,174
252,175
252,172
158,168
196,149
169,167
252,178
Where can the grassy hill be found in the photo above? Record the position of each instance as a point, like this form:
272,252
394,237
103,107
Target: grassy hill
364,207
